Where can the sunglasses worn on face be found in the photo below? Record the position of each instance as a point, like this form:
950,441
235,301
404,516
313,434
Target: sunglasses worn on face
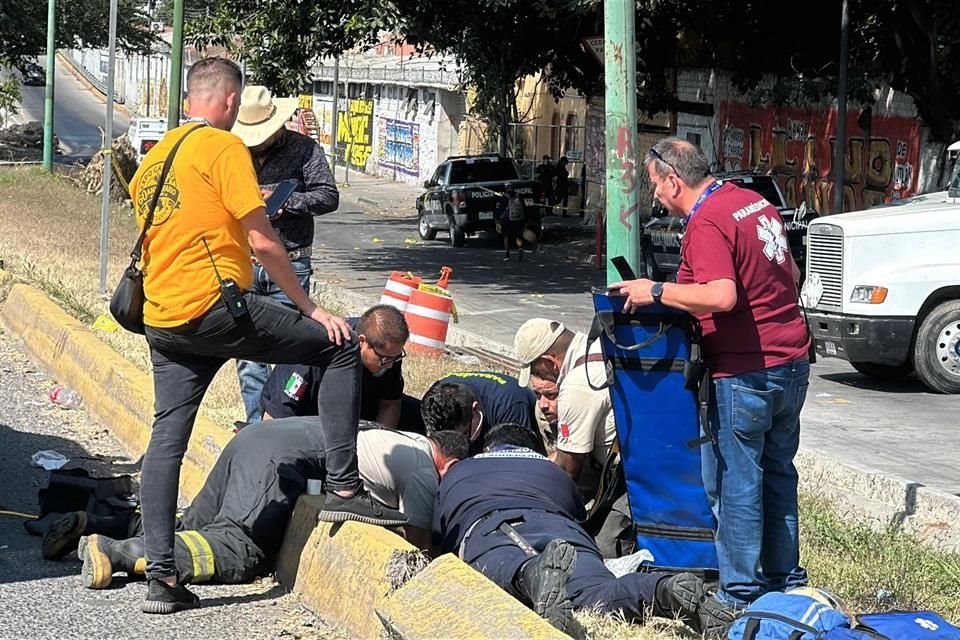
656,154
385,360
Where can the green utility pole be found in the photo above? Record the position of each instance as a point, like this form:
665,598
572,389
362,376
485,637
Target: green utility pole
48,95
176,67
623,164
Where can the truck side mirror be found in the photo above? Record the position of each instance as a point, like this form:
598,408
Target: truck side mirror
427,184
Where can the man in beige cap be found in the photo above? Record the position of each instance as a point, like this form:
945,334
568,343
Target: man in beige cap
281,154
555,363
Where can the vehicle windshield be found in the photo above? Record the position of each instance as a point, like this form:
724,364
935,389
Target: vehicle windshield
482,170
765,188
955,180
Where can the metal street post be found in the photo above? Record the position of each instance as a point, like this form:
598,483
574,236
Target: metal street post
622,164
48,93
176,67
839,154
336,116
108,149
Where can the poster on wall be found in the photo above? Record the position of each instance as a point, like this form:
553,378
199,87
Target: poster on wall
797,146
355,133
399,146
595,153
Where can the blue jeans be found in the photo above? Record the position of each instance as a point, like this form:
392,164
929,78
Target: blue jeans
253,375
751,481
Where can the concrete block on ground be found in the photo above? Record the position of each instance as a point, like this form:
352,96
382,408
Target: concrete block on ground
449,599
342,573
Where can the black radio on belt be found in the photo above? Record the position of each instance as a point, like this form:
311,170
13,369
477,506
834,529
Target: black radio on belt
230,291
232,297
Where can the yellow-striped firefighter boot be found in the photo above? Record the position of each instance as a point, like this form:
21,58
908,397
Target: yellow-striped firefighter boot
103,556
194,557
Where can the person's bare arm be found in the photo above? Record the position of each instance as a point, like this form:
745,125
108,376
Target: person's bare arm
388,413
272,255
712,297
572,463
267,416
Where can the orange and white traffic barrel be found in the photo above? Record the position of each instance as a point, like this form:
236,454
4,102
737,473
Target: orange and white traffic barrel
428,316
398,289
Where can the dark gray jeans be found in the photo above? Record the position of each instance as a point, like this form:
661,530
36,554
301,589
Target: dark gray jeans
185,360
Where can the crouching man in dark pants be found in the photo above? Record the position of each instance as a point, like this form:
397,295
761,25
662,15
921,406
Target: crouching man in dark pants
235,526
513,515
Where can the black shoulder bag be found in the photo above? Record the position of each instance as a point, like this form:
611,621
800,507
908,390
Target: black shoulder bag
126,304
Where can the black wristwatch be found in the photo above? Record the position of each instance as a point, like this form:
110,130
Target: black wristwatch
656,291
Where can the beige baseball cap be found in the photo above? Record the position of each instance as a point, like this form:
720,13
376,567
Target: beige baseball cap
534,338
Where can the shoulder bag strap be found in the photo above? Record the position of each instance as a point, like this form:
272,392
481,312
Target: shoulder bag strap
137,252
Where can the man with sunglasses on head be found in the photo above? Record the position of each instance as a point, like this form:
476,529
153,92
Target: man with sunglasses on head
291,390
738,278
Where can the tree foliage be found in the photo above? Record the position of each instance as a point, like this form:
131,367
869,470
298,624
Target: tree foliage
80,23
280,41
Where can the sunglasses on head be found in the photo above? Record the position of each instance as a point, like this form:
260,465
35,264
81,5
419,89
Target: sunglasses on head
658,156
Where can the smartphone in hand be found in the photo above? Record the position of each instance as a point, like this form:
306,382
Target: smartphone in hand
279,197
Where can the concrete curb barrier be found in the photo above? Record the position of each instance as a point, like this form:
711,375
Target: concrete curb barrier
115,391
422,607
339,570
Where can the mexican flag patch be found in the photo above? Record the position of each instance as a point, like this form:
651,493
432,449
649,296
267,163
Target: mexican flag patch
295,386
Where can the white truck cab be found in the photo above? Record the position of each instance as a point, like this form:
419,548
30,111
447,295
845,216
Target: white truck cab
883,288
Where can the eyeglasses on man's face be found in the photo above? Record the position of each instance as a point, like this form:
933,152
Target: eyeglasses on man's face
385,360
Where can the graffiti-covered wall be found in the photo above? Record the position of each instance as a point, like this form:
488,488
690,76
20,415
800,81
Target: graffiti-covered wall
797,146
398,146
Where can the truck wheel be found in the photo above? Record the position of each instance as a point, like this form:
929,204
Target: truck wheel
457,236
423,227
887,372
652,271
937,351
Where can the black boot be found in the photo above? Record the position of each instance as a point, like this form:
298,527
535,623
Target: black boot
63,535
543,580
684,596
103,556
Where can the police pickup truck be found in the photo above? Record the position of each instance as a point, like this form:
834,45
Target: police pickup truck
462,196
663,233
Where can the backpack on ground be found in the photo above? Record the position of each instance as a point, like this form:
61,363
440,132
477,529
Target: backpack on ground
897,625
75,490
787,616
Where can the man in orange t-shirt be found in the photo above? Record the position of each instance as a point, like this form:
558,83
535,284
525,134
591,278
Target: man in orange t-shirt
199,313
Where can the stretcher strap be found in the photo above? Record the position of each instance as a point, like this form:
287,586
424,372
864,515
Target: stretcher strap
201,553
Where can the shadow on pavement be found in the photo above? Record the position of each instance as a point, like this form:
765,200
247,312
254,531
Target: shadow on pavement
906,386
479,262
20,559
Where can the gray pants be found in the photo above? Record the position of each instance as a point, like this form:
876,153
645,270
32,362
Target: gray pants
185,360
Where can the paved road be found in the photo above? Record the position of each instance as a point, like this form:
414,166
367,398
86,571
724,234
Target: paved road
900,429
78,115
42,599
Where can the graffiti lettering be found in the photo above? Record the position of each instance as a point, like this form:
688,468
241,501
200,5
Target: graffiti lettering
355,133
624,143
875,170
399,146
625,213
629,177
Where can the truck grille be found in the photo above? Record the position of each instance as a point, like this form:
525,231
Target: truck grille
826,260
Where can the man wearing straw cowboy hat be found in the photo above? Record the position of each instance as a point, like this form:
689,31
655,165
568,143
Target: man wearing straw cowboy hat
281,154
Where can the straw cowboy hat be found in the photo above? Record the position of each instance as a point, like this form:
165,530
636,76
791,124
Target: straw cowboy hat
261,115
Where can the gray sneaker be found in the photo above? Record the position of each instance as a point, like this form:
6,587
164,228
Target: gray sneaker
360,508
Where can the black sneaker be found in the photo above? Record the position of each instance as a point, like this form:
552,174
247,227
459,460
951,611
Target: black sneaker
544,581
360,508
163,599
506,258
63,535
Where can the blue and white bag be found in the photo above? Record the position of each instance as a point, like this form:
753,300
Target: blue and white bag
898,625
787,616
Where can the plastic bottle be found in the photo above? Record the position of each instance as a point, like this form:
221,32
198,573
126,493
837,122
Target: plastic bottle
65,397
